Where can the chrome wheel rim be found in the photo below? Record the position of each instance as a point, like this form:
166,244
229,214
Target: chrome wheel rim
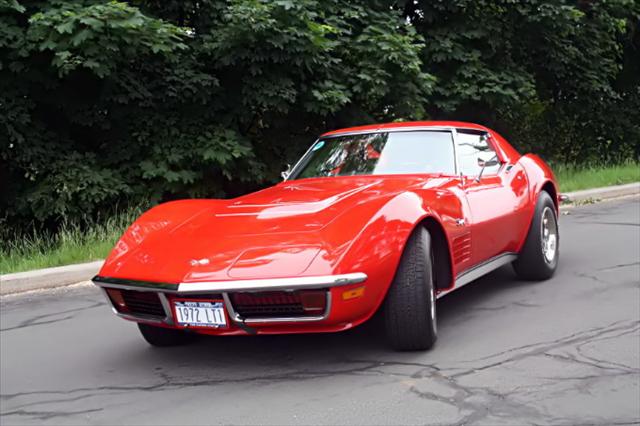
432,302
432,293
549,230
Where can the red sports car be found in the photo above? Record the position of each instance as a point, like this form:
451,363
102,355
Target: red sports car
382,217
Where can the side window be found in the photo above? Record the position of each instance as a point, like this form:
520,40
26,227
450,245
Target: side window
473,151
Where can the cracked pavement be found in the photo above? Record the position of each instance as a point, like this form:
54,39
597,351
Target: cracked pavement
564,351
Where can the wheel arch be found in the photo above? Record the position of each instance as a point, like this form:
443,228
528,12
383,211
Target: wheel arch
550,188
442,268
541,178
389,229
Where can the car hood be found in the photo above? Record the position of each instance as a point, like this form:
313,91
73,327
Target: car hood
294,228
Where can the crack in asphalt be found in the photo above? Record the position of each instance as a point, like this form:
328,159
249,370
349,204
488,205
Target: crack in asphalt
46,415
621,368
168,384
503,387
592,277
574,337
35,320
622,265
477,402
492,403
610,223
482,402
505,306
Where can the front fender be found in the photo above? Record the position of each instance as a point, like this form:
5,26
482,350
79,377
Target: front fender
160,219
377,248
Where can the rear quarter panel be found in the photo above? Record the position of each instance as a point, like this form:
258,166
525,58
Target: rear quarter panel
540,176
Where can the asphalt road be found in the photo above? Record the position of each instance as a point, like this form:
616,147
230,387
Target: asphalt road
564,351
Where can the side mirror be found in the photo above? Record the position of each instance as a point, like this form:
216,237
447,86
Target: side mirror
285,174
493,161
488,163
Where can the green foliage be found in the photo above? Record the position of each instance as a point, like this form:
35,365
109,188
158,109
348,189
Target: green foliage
104,102
97,36
560,78
11,5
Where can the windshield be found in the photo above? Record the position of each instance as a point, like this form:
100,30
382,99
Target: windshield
379,153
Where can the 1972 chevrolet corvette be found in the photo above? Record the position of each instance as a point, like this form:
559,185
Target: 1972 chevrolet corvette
382,217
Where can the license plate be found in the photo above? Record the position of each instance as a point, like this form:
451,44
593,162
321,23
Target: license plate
192,313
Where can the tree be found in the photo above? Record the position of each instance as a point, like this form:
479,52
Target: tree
104,102
108,102
548,74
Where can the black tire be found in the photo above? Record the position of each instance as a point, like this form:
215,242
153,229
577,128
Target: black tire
532,263
410,316
160,336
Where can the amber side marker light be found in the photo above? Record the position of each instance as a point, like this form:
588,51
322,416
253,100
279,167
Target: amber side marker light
353,293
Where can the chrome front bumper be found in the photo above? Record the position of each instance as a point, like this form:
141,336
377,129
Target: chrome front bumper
224,288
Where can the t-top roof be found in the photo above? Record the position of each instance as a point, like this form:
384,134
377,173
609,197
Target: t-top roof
406,124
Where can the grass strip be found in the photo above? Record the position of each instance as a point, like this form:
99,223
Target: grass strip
71,244
575,178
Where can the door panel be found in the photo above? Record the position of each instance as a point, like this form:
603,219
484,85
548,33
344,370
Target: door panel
498,211
496,195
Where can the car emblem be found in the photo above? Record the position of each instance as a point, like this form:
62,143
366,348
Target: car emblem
195,262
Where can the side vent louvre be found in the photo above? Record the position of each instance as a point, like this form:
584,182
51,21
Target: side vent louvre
462,248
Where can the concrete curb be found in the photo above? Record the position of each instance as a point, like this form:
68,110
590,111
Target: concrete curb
604,193
48,277
71,274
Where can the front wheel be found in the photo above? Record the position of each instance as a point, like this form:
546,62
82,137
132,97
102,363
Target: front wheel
410,306
160,336
538,258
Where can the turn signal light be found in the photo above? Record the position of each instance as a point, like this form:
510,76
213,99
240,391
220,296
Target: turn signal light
313,302
353,293
117,299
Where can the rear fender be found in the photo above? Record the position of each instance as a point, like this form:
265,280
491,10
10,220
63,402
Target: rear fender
541,178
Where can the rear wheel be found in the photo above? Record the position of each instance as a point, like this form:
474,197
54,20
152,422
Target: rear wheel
160,336
410,306
538,258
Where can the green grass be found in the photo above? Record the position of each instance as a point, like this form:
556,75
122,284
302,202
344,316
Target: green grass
75,244
72,244
574,178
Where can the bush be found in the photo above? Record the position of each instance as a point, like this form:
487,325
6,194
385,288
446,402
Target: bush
111,102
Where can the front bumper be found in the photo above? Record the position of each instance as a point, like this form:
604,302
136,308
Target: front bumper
166,291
